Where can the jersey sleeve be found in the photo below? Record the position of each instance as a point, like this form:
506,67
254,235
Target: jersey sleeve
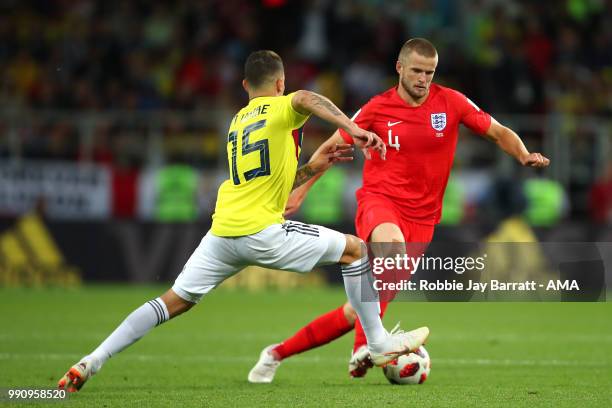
362,118
470,114
294,118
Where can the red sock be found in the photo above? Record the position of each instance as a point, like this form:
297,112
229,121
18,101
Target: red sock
360,337
320,331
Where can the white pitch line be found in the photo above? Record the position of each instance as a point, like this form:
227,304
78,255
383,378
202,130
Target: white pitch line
441,338
512,337
307,360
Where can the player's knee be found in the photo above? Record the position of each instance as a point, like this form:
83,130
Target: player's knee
394,246
175,304
354,250
349,313
386,232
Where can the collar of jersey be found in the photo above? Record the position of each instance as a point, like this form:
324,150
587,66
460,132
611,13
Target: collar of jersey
262,96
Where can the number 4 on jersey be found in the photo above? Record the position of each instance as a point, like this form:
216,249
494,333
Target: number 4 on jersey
393,142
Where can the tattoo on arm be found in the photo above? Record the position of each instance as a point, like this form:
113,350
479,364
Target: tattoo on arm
302,175
319,101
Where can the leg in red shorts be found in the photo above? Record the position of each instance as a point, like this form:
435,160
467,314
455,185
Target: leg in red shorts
417,237
372,211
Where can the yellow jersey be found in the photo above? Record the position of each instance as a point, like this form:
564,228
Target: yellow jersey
263,147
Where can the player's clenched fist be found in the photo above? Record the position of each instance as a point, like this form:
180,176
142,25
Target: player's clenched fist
535,160
367,140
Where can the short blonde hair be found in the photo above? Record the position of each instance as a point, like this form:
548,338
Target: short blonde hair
419,45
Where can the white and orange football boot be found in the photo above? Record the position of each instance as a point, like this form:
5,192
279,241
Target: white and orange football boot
76,377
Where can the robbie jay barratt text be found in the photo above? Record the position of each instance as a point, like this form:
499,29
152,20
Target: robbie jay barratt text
493,285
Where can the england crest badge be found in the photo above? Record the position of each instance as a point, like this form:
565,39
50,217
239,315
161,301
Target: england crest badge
438,121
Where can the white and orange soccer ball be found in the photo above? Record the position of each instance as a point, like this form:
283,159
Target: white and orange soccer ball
412,368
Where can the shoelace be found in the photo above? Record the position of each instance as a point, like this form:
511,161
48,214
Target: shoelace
396,329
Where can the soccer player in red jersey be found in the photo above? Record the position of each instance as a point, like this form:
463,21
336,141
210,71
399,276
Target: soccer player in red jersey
401,197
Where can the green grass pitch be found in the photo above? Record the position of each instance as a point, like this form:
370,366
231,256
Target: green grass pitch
483,354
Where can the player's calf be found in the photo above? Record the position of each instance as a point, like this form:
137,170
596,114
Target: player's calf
136,325
356,275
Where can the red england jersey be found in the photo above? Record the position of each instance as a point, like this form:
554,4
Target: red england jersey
421,142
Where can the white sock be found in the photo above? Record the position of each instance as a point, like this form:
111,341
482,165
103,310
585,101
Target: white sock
137,324
363,297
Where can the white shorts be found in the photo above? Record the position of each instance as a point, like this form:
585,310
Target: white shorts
292,246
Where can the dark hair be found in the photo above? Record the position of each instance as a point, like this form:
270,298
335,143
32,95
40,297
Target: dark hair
419,45
262,66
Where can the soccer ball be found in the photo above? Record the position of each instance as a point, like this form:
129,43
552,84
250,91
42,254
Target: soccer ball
412,368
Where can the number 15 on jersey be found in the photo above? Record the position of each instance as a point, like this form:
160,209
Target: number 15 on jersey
260,145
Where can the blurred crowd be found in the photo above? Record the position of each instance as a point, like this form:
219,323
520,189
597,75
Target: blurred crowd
510,56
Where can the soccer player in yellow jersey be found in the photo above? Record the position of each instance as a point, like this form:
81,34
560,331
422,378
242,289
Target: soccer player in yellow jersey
263,146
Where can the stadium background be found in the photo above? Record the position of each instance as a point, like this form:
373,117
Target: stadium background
114,117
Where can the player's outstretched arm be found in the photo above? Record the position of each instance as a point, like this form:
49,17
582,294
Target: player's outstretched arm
307,102
322,161
332,150
512,144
